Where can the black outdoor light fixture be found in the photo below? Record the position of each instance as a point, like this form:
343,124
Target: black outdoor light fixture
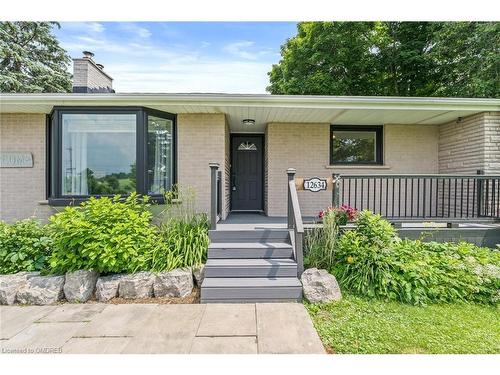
248,122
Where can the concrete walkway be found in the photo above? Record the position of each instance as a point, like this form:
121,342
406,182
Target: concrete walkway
149,328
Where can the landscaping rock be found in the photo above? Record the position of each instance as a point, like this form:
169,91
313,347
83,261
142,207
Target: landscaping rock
175,283
41,290
138,285
107,287
79,285
10,285
320,286
199,274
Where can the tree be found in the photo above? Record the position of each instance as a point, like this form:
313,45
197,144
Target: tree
390,58
31,59
467,57
326,58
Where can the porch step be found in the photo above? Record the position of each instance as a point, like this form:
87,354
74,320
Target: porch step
241,289
260,235
250,268
249,250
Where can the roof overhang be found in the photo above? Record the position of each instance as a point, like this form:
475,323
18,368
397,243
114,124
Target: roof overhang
357,110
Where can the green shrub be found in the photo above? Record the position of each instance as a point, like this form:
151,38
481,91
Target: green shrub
372,261
24,246
183,243
109,235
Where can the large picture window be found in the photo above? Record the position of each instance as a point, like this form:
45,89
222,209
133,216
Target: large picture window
109,151
98,154
355,144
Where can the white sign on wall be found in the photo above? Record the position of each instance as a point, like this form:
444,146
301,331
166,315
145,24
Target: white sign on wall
16,160
315,184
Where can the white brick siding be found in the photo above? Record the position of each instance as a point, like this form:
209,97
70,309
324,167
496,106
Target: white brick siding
21,189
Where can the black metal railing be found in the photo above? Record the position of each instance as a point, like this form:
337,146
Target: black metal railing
422,196
215,196
219,193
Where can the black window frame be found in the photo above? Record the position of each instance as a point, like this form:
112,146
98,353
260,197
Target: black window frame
54,151
379,143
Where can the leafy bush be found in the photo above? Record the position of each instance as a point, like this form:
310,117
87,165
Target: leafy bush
373,261
109,235
24,246
183,243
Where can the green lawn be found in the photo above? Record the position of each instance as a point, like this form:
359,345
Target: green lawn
357,325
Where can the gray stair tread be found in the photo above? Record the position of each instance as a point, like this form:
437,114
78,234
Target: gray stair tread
249,245
250,262
249,232
250,282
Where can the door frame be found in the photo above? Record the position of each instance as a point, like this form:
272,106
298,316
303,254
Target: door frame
231,169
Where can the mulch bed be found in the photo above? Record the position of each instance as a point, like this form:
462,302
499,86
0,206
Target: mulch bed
194,297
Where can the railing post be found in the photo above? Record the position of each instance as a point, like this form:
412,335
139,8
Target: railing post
480,186
213,195
299,253
336,190
291,176
219,193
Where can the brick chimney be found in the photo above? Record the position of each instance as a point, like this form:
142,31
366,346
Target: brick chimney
89,77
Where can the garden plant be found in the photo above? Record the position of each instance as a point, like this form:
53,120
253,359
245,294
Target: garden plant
371,260
24,246
108,235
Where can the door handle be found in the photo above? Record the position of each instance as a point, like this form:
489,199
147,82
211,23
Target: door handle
233,183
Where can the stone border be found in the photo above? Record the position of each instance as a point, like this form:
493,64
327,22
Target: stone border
31,288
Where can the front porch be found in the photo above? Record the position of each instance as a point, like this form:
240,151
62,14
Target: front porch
257,258
255,221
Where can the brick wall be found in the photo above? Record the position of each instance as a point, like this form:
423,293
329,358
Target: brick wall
470,145
201,139
466,147
87,74
266,168
305,147
226,170
21,189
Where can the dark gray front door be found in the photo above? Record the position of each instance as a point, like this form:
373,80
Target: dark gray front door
246,173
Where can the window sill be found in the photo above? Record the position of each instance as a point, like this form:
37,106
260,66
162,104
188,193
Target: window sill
76,201
357,166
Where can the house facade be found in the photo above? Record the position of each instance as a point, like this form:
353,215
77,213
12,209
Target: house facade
58,149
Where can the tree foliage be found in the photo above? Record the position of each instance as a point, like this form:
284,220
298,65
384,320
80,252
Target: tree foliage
390,58
31,59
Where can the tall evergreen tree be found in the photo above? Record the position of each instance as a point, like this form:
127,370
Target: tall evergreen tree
390,58
31,59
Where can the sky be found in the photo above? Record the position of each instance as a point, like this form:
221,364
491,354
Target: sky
208,57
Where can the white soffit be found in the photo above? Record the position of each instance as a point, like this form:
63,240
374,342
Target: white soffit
270,108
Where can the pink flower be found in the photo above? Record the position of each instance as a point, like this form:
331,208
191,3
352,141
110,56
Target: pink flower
344,212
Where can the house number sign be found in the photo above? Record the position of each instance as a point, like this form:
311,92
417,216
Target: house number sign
315,184
16,160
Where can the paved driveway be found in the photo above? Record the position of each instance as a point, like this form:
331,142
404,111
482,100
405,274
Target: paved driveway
149,328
